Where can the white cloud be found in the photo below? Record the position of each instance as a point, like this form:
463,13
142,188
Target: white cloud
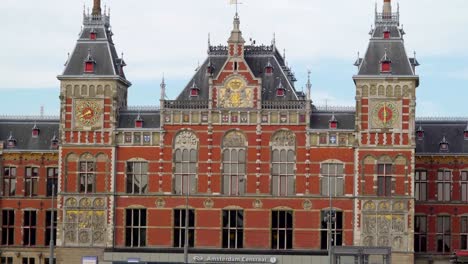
171,36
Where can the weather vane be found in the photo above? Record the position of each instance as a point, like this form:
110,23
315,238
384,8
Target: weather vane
237,3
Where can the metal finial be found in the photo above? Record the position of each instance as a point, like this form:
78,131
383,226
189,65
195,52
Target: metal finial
273,42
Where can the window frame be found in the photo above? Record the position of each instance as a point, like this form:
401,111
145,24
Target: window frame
336,176
132,176
464,186
8,179
420,234
185,171
234,181
464,232
337,230
29,228
31,181
84,176
229,229
49,228
283,171
6,260
444,183
134,230
278,229
444,233
52,180
420,183
179,227
8,229
384,180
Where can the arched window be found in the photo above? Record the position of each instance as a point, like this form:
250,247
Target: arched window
234,165
87,174
283,153
185,162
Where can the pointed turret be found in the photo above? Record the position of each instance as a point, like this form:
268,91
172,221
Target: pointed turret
236,41
387,8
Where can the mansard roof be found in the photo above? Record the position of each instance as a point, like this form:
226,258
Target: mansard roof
435,129
102,49
150,115
257,58
345,116
21,129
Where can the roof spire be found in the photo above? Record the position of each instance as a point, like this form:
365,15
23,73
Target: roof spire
387,7
97,8
309,84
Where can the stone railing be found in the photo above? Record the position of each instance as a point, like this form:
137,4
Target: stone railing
178,104
287,105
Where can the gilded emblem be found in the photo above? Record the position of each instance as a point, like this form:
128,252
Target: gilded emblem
235,94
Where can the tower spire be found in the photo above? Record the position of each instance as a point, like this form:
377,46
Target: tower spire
97,8
387,7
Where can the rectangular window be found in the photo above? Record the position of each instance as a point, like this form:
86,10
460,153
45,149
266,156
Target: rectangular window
233,228
9,181
29,228
185,171
335,231
8,227
281,229
51,228
384,180
135,228
464,186
180,226
331,182
31,179
420,185
464,232
443,234
444,185
137,177
46,261
87,177
420,233
52,176
283,162
29,261
7,260
234,171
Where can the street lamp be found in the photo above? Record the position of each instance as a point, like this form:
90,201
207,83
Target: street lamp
330,218
51,242
186,240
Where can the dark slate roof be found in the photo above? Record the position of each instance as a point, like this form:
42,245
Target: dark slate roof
395,49
151,118
320,119
257,58
434,132
21,130
102,50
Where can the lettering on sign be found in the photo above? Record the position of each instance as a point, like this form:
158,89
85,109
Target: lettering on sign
235,259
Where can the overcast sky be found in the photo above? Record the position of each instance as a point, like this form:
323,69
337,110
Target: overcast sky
170,37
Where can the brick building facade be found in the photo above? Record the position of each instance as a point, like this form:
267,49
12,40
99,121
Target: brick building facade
241,165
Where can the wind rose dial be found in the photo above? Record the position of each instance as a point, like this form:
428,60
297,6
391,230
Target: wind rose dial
88,113
385,115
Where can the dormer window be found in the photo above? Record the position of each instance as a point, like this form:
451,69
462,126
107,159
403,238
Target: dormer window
209,69
139,122
35,131
194,90
11,141
54,142
90,63
465,133
385,64
333,123
280,91
420,133
444,145
268,68
93,34
386,33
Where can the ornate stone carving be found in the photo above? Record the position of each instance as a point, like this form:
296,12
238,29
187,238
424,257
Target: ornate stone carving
71,202
99,203
397,243
208,203
160,203
369,224
384,206
234,139
368,241
384,223
283,138
257,204
186,140
307,204
399,206
383,241
369,206
85,202
398,224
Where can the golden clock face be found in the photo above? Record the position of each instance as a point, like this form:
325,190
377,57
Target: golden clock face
88,113
385,115
235,94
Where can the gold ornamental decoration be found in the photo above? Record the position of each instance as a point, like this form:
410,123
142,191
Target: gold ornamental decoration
88,113
235,94
386,114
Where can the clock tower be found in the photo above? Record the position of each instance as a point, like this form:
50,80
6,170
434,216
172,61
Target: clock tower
386,85
93,88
